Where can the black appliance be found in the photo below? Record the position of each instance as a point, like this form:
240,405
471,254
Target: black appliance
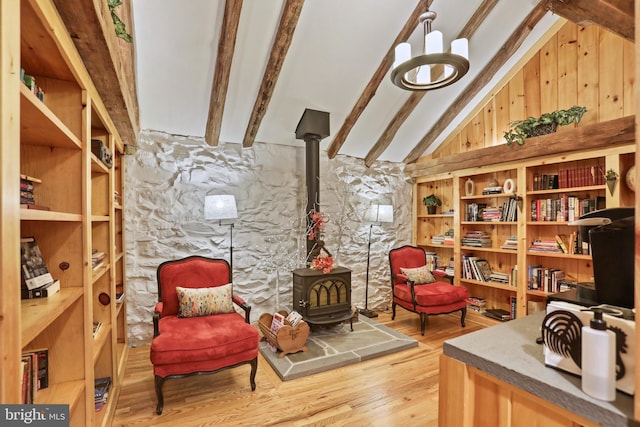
612,251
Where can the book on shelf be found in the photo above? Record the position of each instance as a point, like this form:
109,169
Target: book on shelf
27,197
101,394
545,245
45,291
35,373
497,313
96,327
513,304
562,242
484,269
97,258
511,243
35,273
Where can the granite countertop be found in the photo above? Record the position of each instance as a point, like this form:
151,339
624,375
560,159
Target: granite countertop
509,352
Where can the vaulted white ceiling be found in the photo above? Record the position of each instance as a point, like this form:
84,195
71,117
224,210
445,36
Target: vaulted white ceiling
335,50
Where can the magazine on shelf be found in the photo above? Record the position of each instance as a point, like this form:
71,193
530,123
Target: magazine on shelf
34,270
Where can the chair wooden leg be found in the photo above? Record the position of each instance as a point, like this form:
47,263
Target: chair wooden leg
159,381
423,322
393,311
254,369
464,313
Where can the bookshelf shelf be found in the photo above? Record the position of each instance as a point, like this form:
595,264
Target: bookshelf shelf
39,215
493,285
67,392
488,249
40,126
38,314
566,190
488,196
559,255
99,340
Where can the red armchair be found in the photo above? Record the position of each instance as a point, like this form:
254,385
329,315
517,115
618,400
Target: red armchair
187,339
418,296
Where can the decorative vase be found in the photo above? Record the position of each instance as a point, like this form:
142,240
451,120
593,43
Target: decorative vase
431,209
611,185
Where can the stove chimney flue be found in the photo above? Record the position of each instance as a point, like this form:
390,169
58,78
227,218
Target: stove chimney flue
312,128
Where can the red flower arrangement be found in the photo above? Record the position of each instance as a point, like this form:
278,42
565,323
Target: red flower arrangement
318,221
322,262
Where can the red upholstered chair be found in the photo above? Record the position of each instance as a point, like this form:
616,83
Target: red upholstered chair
425,299
184,346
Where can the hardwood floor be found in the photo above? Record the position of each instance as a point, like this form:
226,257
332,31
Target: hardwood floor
398,389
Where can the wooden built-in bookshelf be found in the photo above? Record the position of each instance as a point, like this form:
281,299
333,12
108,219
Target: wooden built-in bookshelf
50,139
452,187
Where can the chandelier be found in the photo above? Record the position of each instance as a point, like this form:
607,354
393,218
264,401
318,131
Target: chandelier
434,68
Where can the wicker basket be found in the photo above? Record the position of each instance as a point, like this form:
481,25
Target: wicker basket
542,130
288,339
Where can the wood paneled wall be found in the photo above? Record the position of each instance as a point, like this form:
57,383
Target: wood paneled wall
586,66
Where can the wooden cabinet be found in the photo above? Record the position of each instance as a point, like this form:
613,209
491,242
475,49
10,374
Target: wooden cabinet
49,137
470,397
508,241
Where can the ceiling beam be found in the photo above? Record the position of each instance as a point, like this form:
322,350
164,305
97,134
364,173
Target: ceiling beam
412,102
590,137
483,78
109,60
286,28
616,16
371,88
224,58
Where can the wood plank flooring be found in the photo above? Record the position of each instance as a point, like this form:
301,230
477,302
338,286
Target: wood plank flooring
398,389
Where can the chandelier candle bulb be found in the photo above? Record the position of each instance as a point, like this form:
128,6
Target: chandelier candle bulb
433,43
402,53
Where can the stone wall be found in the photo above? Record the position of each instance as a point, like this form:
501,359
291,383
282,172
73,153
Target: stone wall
169,176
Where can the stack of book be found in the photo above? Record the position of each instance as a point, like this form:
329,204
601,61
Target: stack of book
499,277
476,304
545,245
27,197
438,240
497,313
478,239
37,282
492,190
511,243
101,395
97,258
448,237
492,213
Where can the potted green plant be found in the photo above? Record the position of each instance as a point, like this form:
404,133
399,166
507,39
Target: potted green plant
432,202
520,130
